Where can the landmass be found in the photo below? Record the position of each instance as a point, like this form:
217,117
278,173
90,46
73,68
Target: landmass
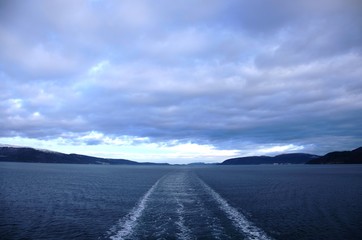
10,153
26,154
342,157
292,158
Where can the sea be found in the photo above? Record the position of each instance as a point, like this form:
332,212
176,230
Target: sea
70,201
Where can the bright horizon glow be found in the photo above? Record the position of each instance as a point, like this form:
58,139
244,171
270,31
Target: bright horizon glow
173,152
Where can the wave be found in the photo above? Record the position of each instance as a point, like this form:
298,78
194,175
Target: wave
251,231
127,224
185,232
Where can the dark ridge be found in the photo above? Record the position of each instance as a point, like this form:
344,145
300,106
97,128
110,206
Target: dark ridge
341,157
291,158
26,154
31,155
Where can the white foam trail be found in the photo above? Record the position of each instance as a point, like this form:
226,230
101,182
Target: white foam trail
184,231
127,224
239,220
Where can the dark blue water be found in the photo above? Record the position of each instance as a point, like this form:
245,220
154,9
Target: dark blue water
58,201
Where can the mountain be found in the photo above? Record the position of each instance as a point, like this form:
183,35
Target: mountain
291,158
343,157
26,154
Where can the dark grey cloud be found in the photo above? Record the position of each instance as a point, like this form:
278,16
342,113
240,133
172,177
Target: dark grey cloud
235,74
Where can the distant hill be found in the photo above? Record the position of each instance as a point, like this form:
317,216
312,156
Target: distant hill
343,157
292,158
25,154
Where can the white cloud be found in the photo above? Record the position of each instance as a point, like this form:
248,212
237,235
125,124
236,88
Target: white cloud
15,103
280,149
98,68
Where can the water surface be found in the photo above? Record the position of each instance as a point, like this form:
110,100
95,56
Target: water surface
59,201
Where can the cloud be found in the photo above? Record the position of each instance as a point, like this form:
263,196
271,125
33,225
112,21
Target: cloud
227,76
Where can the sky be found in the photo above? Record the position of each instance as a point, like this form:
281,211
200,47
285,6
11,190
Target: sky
181,81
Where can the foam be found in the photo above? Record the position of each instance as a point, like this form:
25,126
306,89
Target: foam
184,231
127,224
239,220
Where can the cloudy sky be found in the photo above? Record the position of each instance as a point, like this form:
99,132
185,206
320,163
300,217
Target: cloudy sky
181,81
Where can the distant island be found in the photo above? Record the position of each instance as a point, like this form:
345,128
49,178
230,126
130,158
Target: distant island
27,154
